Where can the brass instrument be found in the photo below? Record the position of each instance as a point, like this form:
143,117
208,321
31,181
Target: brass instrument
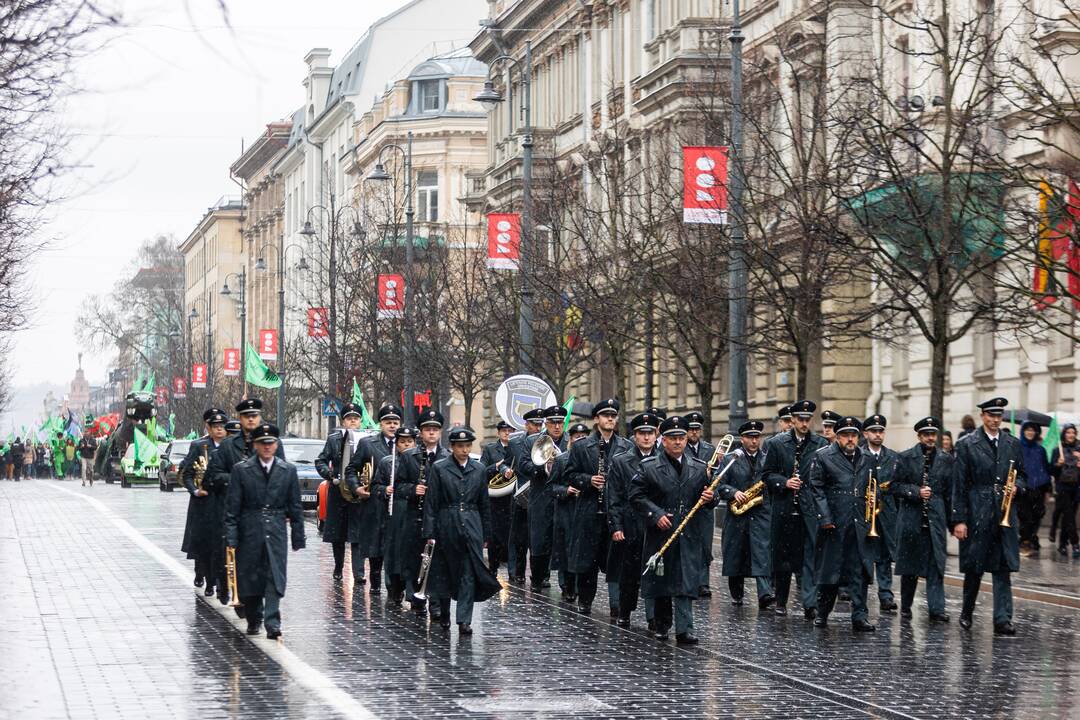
500,484
656,562
200,469
544,450
230,577
755,495
420,595
872,508
1008,492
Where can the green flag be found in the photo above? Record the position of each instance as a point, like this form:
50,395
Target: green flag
146,450
1052,439
568,406
191,436
257,373
366,422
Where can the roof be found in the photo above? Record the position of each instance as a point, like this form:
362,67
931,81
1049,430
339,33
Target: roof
459,63
349,72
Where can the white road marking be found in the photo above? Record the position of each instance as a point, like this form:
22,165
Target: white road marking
314,680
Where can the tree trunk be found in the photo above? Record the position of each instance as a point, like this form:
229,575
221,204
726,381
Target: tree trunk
939,365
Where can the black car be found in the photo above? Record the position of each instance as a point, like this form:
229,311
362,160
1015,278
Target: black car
302,452
169,473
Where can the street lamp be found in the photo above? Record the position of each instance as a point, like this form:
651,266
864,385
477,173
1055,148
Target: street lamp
489,97
379,174
192,317
260,264
737,410
242,277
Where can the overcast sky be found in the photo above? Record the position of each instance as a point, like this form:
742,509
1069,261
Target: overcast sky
166,107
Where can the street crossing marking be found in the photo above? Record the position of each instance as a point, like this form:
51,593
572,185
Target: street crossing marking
314,680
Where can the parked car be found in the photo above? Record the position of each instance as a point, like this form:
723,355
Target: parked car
302,453
147,474
169,472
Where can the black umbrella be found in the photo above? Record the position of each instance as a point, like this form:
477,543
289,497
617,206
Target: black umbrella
1023,415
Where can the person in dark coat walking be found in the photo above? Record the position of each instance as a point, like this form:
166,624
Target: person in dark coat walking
845,552
783,420
884,461
565,496
829,418
1066,471
984,459
202,533
384,488
922,487
590,461
1031,506
705,519
496,459
457,522
328,464
263,493
519,519
404,544
745,542
626,527
541,502
235,449
662,492
368,516
785,466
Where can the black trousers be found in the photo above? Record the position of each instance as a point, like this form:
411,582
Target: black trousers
1031,509
339,555
1066,500
539,569
586,586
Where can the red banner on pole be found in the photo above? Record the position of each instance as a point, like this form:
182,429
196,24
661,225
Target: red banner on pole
179,385
198,375
232,362
162,393
318,322
705,185
268,344
391,296
504,241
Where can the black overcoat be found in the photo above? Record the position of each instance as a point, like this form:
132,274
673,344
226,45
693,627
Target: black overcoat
558,487
705,519
788,527
588,539
257,507
919,549
886,521
402,542
457,515
838,489
519,515
501,507
541,502
234,449
658,489
336,524
977,500
624,558
746,539
202,532
367,517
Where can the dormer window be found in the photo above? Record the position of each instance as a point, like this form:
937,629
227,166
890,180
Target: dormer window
429,96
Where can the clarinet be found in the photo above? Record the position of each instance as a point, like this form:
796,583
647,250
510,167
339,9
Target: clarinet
927,457
421,480
799,447
601,469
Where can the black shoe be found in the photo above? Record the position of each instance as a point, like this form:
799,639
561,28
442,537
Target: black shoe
965,621
705,591
613,613
1005,628
359,579
536,587
887,606
686,639
273,634
1062,550
241,611
518,580
624,622
764,603
198,582
651,626
820,622
939,617
780,610
862,626
223,598
662,634
810,613
569,597
737,601
209,591
464,629
253,628
375,589
1053,536
444,623
338,574
545,584
584,609
905,613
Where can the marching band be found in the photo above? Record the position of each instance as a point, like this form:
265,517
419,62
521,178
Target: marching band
838,510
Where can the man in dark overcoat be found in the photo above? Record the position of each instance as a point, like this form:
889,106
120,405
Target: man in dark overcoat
457,520
263,493
700,448
328,464
497,460
565,496
884,461
745,542
922,488
845,552
984,459
519,517
202,534
541,502
368,516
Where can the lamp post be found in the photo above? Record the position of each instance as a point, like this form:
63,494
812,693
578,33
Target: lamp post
242,277
379,174
192,317
260,264
737,410
489,97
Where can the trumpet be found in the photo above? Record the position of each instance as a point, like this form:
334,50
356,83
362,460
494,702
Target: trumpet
425,570
200,469
1008,492
230,577
872,508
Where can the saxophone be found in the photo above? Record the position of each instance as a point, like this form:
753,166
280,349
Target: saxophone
755,495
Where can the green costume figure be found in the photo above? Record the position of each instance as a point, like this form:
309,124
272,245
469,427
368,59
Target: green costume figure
57,445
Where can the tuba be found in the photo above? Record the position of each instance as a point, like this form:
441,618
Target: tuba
499,485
